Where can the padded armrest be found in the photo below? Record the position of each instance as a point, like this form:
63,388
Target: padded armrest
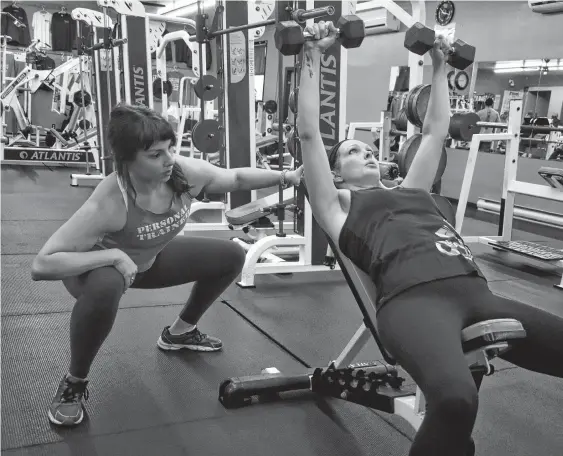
248,213
488,332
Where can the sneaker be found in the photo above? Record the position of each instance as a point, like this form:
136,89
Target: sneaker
66,408
193,340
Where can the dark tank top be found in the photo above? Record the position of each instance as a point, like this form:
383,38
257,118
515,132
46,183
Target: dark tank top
145,233
401,239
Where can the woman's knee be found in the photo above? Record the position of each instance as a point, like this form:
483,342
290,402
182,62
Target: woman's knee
102,284
234,258
455,401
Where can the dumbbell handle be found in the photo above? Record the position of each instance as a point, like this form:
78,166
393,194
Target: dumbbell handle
310,37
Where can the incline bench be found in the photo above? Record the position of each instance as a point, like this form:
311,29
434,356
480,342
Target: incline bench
375,385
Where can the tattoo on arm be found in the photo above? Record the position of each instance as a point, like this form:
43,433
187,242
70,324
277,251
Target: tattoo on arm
309,63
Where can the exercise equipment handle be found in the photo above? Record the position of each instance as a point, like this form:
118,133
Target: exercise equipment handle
310,37
276,127
105,45
302,15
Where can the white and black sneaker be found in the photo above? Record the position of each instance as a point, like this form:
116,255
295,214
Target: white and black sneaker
66,407
193,340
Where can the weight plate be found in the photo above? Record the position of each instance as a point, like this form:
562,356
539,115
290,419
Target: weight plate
409,151
207,88
401,122
405,153
206,136
293,146
420,104
270,106
463,126
293,101
445,13
461,80
409,107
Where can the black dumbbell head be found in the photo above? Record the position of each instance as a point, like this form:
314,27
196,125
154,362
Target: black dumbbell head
289,38
463,55
352,31
419,39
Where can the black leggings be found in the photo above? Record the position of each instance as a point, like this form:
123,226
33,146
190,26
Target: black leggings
421,328
213,264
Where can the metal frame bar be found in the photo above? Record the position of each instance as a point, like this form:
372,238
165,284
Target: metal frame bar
511,186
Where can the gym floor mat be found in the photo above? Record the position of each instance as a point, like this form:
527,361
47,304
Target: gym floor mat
146,402
24,237
51,296
298,428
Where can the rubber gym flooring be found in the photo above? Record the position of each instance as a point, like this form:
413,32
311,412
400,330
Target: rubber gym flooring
147,402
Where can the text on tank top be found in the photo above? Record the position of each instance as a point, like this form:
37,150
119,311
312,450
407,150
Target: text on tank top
401,239
145,233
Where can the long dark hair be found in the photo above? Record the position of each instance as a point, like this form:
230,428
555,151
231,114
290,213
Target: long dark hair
135,127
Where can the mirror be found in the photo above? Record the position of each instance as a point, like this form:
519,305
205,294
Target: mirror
538,82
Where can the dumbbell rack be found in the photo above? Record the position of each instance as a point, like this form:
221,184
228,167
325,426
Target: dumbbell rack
510,188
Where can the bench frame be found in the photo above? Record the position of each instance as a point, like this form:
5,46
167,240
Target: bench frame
411,407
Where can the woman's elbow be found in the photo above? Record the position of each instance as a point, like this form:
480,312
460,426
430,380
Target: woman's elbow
436,133
38,269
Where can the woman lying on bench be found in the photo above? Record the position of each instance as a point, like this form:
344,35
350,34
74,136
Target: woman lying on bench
429,286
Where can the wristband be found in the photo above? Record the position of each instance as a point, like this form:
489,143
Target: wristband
283,182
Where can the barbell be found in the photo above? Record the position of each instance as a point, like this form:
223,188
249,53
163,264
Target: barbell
464,125
419,39
290,37
297,15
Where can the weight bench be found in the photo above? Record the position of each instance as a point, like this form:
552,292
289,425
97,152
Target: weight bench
250,214
253,219
482,342
263,252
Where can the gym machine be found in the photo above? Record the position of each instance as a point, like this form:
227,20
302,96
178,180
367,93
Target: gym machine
466,127
124,59
235,59
310,245
307,248
101,66
20,150
207,88
376,385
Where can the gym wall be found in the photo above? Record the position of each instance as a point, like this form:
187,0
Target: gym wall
500,30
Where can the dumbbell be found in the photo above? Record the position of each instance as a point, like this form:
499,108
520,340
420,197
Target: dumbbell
290,38
419,39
